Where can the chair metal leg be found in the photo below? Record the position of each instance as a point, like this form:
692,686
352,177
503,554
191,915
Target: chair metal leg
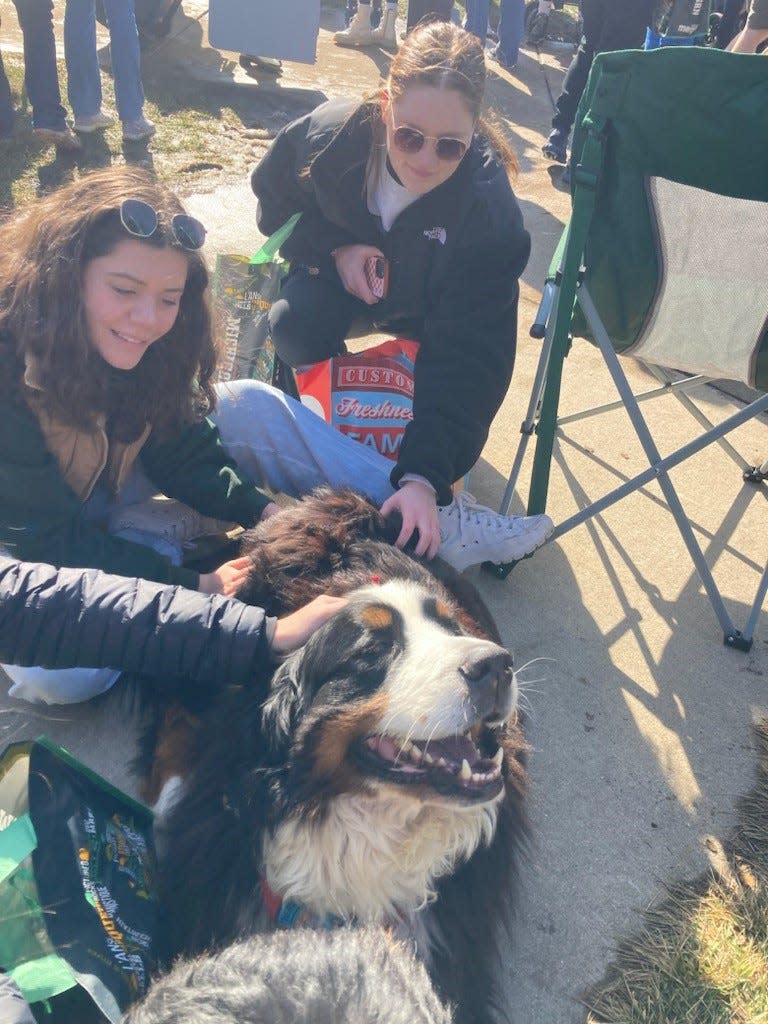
528,426
659,469
699,416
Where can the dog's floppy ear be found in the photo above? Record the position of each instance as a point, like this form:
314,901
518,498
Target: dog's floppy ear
288,699
327,653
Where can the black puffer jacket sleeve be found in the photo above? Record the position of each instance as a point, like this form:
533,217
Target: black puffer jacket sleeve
283,187
63,618
464,365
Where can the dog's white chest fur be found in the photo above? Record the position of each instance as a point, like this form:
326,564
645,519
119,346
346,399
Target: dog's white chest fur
373,857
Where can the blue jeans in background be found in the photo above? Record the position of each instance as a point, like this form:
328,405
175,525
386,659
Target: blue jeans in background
84,76
476,20
40,72
511,32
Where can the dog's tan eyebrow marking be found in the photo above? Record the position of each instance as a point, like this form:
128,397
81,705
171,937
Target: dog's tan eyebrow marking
438,609
377,616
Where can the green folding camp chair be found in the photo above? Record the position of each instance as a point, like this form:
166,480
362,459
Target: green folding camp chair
665,259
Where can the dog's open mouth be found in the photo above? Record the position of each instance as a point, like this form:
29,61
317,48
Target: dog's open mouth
452,765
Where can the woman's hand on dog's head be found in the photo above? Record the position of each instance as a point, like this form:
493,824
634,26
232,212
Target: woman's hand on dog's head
415,501
295,629
227,579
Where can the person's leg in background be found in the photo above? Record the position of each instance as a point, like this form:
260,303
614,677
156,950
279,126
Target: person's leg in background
363,20
41,76
556,146
126,69
608,25
476,20
418,10
7,113
83,73
511,31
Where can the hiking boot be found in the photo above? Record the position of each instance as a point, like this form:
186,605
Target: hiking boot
62,138
358,32
384,34
93,123
556,146
138,130
471,534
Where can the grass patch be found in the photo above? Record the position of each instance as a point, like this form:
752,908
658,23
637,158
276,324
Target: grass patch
204,132
702,954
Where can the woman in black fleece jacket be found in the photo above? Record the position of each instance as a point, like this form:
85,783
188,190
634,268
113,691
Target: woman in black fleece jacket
85,618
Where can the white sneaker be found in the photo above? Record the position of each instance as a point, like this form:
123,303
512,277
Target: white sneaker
471,533
93,123
358,32
135,131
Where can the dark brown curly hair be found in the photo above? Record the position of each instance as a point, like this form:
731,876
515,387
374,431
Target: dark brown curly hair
44,251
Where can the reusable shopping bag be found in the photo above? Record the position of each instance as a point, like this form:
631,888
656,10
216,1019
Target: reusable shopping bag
681,19
77,868
243,292
366,395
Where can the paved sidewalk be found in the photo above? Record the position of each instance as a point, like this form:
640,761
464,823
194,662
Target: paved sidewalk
639,717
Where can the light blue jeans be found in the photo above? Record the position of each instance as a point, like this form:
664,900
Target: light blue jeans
279,444
83,74
511,31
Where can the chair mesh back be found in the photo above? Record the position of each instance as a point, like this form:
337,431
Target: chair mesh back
709,311
695,116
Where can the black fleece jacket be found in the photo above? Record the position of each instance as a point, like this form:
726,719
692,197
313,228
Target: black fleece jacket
63,618
455,258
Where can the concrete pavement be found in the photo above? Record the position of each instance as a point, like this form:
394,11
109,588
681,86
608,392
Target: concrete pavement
639,717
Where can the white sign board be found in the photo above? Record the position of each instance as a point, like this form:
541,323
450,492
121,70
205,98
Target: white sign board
285,29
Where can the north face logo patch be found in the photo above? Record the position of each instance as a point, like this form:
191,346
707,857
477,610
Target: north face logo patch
436,234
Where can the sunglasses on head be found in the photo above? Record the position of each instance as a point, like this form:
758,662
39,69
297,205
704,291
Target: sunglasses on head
140,219
411,140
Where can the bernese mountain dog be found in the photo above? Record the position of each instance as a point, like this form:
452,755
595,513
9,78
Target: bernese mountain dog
375,778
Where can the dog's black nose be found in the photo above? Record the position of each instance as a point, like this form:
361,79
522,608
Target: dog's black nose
490,684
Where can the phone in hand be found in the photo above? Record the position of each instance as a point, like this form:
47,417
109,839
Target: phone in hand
377,275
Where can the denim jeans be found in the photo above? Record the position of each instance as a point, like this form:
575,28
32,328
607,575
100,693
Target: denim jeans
476,20
276,442
511,31
41,76
83,74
